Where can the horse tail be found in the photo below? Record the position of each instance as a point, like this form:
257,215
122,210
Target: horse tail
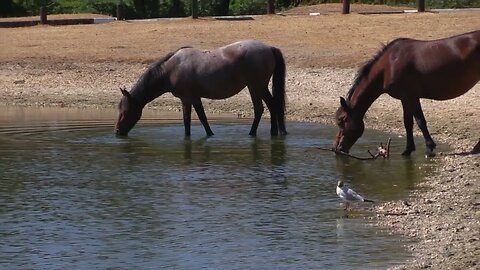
278,88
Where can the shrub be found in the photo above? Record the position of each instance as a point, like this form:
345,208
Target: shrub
248,7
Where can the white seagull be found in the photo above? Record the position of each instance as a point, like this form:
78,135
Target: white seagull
348,194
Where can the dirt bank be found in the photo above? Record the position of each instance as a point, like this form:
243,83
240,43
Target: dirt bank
83,66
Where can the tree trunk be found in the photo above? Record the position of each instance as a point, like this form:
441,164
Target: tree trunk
140,7
421,6
43,15
271,7
346,7
223,7
194,9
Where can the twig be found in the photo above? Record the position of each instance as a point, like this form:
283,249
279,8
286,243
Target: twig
394,214
346,154
381,152
387,156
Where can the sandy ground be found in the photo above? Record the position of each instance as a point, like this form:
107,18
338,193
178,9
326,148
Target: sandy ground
84,66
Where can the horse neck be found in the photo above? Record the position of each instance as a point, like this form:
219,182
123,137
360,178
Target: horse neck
145,92
365,93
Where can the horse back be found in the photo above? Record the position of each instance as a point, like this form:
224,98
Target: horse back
436,69
222,72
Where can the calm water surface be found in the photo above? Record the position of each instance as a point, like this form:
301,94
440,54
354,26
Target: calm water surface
74,196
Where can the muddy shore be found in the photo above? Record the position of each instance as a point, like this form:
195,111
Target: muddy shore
443,213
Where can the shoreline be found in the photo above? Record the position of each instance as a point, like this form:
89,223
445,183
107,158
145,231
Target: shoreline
443,222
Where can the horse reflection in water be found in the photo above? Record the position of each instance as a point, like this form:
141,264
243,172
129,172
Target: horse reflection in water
191,74
408,70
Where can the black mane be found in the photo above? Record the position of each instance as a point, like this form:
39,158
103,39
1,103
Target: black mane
153,75
365,69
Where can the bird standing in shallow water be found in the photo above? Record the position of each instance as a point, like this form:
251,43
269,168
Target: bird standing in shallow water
349,195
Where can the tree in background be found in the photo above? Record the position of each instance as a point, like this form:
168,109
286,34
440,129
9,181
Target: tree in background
270,6
8,8
222,7
176,8
140,7
214,7
248,7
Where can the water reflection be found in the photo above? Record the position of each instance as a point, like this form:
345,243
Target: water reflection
137,149
381,177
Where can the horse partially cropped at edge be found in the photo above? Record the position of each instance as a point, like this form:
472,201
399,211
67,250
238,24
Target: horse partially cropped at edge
408,70
192,74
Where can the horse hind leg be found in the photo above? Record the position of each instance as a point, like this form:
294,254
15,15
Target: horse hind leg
281,123
422,124
272,107
197,104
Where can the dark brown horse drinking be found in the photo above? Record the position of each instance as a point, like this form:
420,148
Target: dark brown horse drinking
191,74
408,70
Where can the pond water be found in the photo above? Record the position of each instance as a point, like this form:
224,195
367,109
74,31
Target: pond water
75,196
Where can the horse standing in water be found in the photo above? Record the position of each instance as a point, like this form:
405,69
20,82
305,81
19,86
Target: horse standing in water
191,74
408,70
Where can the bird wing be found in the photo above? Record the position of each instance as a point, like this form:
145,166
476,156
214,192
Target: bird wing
352,195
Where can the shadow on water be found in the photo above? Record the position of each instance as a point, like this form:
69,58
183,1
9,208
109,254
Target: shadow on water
76,196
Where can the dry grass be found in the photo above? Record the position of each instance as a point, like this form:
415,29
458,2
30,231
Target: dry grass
307,41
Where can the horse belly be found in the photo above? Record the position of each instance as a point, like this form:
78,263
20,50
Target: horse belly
449,75
220,87
449,87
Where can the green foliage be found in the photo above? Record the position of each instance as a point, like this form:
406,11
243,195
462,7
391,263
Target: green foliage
178,8
214,7
25,7
452,3
245,7
9,8
174,8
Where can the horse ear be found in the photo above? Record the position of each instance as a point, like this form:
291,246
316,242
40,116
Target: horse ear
345,105
125,92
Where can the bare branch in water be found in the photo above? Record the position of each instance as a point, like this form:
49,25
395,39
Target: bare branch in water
381,152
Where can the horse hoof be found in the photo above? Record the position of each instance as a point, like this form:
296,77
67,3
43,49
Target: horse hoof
429,154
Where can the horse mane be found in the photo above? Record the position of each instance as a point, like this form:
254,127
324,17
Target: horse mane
365,69
154,72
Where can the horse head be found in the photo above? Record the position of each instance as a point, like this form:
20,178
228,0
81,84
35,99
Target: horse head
130,112
350,126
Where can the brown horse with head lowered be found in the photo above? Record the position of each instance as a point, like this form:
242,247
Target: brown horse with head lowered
192,74
408,70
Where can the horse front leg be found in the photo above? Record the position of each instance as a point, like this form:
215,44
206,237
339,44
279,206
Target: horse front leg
197,104
187,116
408,123
422,124
257,111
